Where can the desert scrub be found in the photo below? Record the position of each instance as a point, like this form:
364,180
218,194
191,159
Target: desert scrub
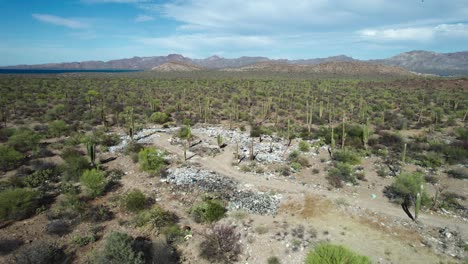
134,201
347,156
94,181
24,140
159,117
341,172
406,187
157,217
152,160
18,203
327,253
208,211
40,252
304,146
9,158
118,249
221,244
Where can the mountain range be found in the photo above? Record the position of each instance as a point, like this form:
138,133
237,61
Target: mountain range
416,61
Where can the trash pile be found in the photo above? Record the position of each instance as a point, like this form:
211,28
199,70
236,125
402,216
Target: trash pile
144,136
271,149
209,181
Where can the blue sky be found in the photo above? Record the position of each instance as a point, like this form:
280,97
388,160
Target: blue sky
42,31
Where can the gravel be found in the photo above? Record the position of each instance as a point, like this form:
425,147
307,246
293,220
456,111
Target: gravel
144,136
209,181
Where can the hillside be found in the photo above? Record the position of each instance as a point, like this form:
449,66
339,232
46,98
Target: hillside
329,68
416,61
176,66
430,62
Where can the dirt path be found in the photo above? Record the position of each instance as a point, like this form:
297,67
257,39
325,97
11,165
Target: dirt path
221,164
382,245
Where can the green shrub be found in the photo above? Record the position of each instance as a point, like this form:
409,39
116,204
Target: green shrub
82,241
135,201
119,249
58,128
208,211
173,234
9,158
326,253
159,117
296,166
341,172
347,156
69,207
152,160
406,186
40,178
18,203
40,252
157,217
95,182
431,160
24,140
74,166
273,260
185,132
304,146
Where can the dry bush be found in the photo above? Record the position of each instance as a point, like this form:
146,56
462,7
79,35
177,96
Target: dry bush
221,244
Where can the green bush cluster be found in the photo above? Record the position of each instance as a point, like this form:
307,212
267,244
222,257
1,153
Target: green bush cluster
152,160
135,201
159,117
9,158
18,203
333,254
341,172
118,249
347,156
406,186
157,217
95,182
24,140
208,211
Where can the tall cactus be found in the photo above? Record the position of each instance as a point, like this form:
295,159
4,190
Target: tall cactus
417,206
252,156
91,149
185,151
343,135
403,156
365,134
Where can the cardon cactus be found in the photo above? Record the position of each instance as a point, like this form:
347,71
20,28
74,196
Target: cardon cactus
91,149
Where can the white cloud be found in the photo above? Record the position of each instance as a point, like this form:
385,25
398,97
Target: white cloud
60,21
143,18
422,34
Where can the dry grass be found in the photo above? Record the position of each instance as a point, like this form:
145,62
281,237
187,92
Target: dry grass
311,206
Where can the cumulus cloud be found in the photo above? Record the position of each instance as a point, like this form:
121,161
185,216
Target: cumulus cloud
415,33
60,21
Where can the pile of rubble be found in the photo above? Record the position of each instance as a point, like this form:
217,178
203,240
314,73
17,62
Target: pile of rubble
209,181
144,136
271,149
255,202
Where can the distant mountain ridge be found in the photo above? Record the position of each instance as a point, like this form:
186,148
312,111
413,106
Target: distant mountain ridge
416,61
